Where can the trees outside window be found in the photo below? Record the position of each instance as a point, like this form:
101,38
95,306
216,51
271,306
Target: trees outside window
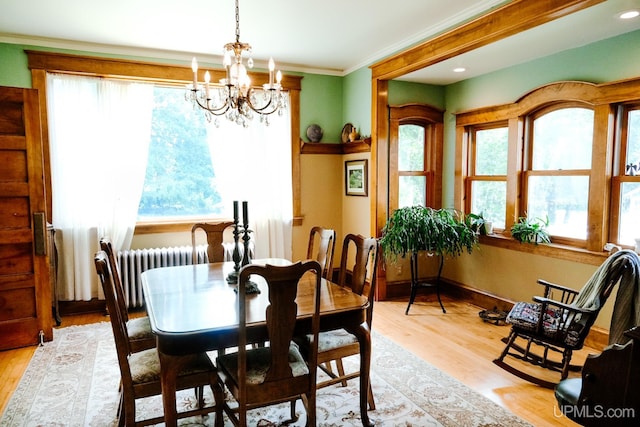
179,181
557,175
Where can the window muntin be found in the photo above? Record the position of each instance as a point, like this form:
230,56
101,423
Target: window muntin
488,173
558,179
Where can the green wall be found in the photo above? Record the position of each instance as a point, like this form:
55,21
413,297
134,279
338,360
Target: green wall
321,104
408,92
13,66
357,100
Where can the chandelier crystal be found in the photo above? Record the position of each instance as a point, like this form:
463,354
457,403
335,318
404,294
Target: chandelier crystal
234,97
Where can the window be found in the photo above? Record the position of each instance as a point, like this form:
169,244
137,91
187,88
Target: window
627,184
414,166
412,178
179,181
558,169
487,181
42,63
572,156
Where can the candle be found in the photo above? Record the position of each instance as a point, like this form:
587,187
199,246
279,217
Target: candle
207,79
272,67
235,211
194,67
245,212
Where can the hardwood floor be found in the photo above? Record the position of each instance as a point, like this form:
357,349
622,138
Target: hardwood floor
458,343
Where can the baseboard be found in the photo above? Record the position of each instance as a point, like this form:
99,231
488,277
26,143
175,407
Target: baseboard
598,338
81,307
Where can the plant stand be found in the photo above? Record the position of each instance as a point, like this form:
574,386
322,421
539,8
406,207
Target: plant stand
415,284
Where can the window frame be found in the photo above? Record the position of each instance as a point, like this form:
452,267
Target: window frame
605,99
431,119
471,164
40,63
529,171
619,170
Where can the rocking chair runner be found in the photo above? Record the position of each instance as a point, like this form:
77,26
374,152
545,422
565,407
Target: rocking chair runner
561,325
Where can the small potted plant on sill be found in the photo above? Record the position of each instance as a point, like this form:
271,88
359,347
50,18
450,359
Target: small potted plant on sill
479,224
441,232
528,230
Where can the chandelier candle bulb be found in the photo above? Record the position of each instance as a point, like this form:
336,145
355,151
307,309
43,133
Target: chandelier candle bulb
194,68
272,67
207,79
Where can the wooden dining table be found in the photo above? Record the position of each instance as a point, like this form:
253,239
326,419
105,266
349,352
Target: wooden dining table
193,309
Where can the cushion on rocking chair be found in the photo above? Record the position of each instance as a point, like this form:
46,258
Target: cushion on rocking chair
525,315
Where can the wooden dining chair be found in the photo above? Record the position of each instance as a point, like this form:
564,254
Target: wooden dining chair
277,373
323,251
354,273
215,236
138,328
140,372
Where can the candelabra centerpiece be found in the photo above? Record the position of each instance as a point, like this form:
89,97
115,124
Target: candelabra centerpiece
234,97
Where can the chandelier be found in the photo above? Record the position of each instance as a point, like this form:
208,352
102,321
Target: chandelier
234,97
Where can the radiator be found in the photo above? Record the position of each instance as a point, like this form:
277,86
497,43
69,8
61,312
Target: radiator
133,262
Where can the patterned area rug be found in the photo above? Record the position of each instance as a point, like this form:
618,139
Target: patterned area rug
73,381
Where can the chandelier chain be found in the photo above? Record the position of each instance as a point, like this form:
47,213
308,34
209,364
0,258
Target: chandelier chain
237,22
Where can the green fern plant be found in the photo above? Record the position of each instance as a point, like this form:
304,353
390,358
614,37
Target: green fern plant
418,228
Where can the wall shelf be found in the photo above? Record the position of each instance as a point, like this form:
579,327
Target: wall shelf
359,146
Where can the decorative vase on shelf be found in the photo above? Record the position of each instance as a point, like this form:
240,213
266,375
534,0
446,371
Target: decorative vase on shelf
314,133
353,135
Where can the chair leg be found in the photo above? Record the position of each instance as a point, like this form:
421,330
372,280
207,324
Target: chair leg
370,400
566,359
340,368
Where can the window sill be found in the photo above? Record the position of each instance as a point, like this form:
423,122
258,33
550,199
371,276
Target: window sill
551,250
178,226
170,226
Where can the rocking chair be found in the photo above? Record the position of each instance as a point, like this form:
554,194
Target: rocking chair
561,325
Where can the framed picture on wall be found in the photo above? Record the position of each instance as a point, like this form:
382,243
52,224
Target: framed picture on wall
355,178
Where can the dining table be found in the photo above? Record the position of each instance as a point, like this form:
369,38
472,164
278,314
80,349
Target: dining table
194,309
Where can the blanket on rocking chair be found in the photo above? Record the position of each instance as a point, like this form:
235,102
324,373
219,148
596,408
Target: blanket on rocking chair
622,266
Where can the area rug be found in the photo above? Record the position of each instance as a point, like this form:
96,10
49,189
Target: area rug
73,381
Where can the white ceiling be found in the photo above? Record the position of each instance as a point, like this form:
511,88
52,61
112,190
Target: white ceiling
330,36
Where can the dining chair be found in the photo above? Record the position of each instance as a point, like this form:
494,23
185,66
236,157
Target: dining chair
335,345
215,237
326,242
262,376
140,371
138,328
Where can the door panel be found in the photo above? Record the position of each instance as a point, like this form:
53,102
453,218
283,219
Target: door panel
25,291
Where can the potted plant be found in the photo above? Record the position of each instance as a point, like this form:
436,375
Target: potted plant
531,230
442,232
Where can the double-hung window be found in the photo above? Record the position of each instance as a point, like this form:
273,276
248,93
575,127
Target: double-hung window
487,176
415,156
626,187
558,166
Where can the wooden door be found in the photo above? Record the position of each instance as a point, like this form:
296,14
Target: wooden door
25,290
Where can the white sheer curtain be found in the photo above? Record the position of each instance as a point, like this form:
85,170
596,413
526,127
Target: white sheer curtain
254,164
99,134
